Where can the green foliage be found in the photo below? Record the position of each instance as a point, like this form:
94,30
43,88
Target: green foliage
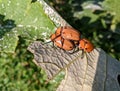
114,8
22,18
22,22
18,72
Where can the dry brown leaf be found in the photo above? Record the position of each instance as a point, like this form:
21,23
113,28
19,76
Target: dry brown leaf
96,71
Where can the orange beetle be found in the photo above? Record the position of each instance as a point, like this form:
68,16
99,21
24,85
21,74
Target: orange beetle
86,45
68,33
62,43
68,38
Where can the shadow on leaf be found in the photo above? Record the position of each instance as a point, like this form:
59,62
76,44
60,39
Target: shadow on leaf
6,25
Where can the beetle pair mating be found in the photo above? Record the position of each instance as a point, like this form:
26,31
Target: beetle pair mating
68,38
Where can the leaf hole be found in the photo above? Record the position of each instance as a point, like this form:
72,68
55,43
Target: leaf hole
118,78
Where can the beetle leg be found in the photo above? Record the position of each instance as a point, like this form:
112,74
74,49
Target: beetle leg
73,51
62,41
61,30
82,55
49,42
77,49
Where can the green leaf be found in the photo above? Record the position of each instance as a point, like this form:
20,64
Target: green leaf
22,18
113,7
8,42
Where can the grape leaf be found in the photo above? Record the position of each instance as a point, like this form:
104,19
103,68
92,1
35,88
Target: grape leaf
96,71
22,18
